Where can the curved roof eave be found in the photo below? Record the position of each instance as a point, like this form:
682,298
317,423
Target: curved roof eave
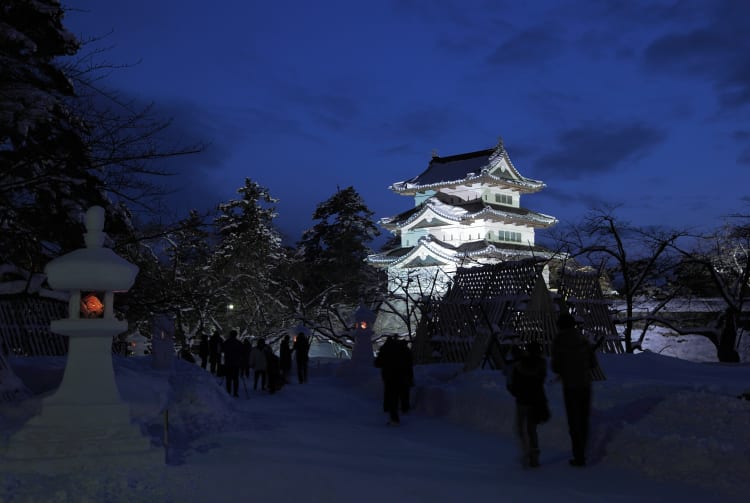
527,185
425,243
533,219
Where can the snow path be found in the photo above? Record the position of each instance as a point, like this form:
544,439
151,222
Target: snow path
329,442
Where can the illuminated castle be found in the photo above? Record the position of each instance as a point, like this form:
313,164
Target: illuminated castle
467,213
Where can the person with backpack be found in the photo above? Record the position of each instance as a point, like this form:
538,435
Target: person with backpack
526,383
573,359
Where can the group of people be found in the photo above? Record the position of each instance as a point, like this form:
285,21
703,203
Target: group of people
572,359
233,359
394,359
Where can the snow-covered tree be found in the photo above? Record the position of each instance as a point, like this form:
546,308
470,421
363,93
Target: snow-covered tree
45,177
61,151
247,258
334,250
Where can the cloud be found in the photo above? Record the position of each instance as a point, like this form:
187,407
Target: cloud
398,150
335,109
598,148
743,138
425,124
528,48
715,51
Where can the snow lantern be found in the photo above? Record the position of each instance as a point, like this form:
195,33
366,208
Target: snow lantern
85,418
137,344
364,321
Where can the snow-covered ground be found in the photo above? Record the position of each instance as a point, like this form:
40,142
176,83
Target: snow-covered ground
663,429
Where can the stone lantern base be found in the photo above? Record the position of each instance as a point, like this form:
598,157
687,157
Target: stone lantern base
85,422
69,437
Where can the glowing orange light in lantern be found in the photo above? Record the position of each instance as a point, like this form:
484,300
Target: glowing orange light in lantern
91,307
363,325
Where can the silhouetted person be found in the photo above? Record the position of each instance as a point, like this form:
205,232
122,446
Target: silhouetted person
232,349
572,359
259,364
394,361
246,350
214,352
526,384
405,388
285,357
273,370
203,351
301,348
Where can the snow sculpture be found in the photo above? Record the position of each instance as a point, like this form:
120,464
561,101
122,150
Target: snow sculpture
362,355
85,420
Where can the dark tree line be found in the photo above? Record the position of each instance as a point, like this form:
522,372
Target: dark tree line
68,143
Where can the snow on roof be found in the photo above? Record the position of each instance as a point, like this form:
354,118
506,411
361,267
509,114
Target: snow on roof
472,210
468,167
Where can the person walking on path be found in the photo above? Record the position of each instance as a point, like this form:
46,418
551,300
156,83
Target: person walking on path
259,363
247,348
232,350
526,384
301,348
203,351
572,360
285,357
214,352
393,360
275,379
405,386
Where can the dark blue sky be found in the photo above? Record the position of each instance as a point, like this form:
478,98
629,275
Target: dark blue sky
644,104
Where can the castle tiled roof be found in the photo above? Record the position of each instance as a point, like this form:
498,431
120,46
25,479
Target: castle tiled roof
457,255
468,211
469,167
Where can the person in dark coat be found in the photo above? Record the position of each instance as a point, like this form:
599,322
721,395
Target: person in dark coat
301,348
394,362
406,385
285,357
573,358
259,363
214,352
526,384
247,347
232,348
273,369
203,351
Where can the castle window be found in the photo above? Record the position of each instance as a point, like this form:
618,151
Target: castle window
513,237
504,199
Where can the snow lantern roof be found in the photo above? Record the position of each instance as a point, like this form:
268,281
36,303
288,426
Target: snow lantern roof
92,268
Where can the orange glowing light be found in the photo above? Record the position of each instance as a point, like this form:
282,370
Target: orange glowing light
363,325
91,307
